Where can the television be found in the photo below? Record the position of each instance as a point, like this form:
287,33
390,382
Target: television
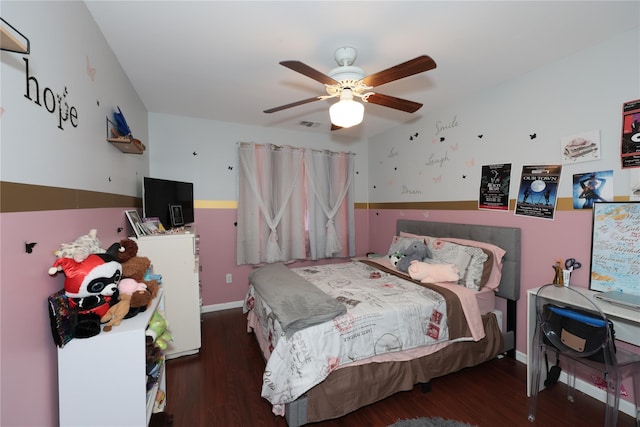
162,197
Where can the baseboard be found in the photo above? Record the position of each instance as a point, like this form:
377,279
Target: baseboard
219,307
589,389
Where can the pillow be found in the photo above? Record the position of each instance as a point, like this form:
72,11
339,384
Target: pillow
492,270
494,262
451,253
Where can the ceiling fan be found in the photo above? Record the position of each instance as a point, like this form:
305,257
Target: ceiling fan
347,81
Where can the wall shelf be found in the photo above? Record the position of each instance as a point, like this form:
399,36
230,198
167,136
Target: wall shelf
11,43
126,144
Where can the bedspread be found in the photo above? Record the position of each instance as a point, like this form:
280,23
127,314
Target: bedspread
385,314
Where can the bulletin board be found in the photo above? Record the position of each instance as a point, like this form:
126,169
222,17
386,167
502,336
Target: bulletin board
615,247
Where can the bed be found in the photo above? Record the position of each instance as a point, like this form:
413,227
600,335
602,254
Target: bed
305,388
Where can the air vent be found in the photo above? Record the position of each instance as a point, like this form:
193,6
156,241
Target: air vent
309,124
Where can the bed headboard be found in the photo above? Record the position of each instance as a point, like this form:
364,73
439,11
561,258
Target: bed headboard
508,238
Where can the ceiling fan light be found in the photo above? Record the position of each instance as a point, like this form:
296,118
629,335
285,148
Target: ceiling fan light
346,112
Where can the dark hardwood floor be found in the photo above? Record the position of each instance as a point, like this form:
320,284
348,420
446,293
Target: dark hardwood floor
221,387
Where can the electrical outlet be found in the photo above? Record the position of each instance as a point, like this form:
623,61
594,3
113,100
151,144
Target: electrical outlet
229,278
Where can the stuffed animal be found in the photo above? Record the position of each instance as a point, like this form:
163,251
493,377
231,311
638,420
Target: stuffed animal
89,286
157,331
117,312
417,251
81,248
128,249
433,273
394,258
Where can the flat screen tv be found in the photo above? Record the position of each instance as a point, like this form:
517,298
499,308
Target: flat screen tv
161,197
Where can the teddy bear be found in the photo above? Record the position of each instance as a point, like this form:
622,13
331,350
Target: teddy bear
137,268
417,250
433,273
117,312
81,248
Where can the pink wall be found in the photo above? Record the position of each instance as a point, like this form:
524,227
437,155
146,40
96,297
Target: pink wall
28,362
218,254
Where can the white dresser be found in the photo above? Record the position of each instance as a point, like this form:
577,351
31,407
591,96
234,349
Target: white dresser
175,258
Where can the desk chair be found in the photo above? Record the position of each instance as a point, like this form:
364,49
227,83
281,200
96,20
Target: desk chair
581,333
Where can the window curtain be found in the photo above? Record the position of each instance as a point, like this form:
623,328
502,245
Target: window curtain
330,203
271,192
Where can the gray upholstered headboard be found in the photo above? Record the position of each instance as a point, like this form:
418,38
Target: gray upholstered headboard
508,238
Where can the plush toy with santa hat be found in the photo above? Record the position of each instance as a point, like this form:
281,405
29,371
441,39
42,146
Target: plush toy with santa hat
89,286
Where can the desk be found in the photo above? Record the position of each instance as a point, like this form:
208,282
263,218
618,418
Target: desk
625,320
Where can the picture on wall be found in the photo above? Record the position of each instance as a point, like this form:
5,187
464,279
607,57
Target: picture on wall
615,247
494,187
582,147
630,141
538,191
592,187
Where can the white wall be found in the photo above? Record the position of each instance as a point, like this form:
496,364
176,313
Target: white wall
176,138
67,48
583,92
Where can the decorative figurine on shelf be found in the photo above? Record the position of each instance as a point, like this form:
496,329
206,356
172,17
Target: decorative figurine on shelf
558,280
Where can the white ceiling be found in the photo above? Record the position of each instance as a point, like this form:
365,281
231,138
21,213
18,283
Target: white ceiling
220,59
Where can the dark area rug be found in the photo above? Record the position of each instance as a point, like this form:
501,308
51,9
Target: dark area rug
430,422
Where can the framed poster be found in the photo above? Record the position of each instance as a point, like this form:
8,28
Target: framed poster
615,247
176,215
136,223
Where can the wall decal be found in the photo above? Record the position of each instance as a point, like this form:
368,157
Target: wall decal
98,102
109,179
407,190
395,169
65,111
195,154
413,136
28,247
235,224
91,71
119,230
374,187
230,168
442,139
464,176
442,127
433,160
392,153
533,136
480,136
425,214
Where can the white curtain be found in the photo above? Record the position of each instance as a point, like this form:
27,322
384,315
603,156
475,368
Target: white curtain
271,222
330,203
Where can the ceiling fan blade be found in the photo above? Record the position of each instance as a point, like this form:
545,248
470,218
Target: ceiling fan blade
293,104
309,72
400,71
393,102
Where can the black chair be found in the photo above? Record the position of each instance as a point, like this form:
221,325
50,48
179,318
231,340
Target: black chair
578,332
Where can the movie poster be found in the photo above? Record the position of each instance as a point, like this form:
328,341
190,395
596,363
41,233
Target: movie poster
630,141
538,191
494,187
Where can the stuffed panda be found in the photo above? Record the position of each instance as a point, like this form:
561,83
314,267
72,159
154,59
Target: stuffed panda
89,286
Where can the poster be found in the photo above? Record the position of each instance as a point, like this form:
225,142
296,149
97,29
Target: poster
538,191
581,147
494,187
630,141
592,187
